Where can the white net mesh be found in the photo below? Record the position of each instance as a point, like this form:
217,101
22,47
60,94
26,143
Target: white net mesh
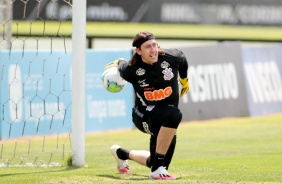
35,65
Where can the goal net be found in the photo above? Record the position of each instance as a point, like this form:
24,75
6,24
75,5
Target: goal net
35,82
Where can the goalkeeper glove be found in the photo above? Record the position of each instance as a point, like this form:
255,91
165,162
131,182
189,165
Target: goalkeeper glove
112,64
185,86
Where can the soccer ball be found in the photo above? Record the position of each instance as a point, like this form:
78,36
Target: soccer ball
112,81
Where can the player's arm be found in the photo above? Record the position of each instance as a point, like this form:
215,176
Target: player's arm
183,66
183,74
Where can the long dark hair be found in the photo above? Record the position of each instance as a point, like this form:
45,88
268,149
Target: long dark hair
139,37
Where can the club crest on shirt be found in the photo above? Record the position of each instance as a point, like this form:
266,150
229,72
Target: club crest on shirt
168,74
140,71
165,64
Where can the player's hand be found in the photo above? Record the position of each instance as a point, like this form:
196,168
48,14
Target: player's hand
185,86
112,64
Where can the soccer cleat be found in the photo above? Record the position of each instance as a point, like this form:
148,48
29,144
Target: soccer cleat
122,166
161,174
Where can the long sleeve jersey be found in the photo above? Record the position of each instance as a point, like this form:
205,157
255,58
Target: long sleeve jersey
158,83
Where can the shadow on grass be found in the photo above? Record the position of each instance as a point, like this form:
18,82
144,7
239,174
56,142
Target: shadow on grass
38,172
136,177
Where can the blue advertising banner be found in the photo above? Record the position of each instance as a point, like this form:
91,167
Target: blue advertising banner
36,93
263,73
106,110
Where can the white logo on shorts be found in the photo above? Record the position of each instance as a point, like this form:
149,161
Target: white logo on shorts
146,128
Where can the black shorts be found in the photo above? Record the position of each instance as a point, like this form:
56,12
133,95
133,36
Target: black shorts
151,121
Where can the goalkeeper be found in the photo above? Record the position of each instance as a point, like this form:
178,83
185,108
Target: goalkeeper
153,72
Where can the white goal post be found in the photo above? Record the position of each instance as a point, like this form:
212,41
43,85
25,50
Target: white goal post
78,82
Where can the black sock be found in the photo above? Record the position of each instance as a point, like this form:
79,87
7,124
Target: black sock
158,161
123,154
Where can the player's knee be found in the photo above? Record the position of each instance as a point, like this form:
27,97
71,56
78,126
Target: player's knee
174,118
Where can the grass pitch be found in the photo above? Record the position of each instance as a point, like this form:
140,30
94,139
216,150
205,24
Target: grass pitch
230,150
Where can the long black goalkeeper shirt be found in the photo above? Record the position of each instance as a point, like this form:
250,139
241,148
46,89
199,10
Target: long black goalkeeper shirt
156,84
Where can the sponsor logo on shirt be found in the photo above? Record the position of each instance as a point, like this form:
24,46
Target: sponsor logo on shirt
143,83
159,94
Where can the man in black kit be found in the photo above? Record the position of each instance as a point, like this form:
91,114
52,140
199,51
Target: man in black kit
153,72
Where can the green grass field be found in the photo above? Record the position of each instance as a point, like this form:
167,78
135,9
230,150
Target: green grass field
229,150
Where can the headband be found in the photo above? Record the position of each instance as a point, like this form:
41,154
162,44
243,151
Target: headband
142,40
